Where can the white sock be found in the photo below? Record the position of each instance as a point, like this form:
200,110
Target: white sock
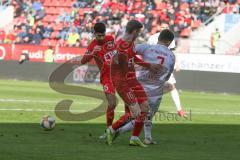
127,127
112,130
176,99
148,129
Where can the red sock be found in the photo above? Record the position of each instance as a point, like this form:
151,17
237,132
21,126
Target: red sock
127,109
121,121
110,115
139,124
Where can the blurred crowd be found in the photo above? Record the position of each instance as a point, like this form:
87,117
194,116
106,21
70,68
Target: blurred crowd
69,22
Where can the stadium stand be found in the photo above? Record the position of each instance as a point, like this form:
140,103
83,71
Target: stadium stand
52,22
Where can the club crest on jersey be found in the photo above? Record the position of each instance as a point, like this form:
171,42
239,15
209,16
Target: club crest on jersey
109,45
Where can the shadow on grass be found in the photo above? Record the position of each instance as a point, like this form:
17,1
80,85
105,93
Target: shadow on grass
80,141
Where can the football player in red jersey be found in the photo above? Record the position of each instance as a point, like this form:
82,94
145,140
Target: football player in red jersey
102,49
126,84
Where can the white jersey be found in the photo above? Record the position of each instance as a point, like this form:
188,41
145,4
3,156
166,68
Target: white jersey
153,82
153,39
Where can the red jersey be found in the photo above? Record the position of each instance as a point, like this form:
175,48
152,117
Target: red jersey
102,57
123,63
123,73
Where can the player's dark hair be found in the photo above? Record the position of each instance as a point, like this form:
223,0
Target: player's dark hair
133,25
99,27
166,35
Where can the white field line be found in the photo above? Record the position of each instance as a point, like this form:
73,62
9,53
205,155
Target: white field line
42,101
193,111
43,110
81,111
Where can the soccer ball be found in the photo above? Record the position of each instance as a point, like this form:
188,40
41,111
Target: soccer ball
47,122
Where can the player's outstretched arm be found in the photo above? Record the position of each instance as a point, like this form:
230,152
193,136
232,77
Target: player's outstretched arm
140,62
87,57
92,50
152,67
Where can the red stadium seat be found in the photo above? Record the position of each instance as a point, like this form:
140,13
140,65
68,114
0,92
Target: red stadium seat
47,3
88,10
54,34
47,18
81,12
54,18
186,32
47,10
56,10
52,10
184,6
68,10
161,6
68,3
55,1
52,4
44,23
45,42
64,3
58,27
137,5
196,24
53,42
50,18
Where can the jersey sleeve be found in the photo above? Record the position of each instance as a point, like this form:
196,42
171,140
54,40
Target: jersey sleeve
88,56
171,68
141,48
140,62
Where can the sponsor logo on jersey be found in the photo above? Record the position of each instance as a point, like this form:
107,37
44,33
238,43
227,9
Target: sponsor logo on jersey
108,56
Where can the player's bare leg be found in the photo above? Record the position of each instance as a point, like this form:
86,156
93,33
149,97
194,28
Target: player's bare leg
111,98
168,87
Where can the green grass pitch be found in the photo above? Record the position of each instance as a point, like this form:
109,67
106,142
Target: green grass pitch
211,132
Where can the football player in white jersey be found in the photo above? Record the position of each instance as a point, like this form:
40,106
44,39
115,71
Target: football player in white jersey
170,84
153,81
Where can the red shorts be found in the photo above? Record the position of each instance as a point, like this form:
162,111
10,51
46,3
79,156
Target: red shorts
108,87
131,94
140,94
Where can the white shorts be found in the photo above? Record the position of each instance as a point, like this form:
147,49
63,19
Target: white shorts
154,103
154,93
172,79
